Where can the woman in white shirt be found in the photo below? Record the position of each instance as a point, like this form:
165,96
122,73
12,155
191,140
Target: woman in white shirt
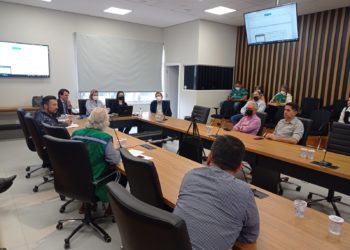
93,102
345,114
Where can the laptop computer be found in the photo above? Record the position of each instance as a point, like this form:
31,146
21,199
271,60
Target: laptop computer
125,111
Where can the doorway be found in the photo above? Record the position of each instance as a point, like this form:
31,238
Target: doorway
172,87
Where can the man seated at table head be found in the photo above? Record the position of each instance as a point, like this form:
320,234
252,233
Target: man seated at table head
159,106
290,129
218,208
100,146
238,96
48,112
256,98
64,104
250,122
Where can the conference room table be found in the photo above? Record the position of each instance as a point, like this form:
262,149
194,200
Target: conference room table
279,228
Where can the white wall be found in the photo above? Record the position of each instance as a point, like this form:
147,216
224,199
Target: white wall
42,26
200,42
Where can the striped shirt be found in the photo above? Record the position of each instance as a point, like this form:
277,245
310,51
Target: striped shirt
218,209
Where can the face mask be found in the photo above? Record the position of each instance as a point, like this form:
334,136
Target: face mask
249,112
121,98
95,97
237,88
159,98
283,93
256,98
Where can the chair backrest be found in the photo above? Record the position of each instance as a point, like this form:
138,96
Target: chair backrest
200,114
339,139
262,116
109,102
226,110
58,132
307,127
191,148
21,113
143,226
37,138
309,104
72,169
143,179
320,122
82,107
338,106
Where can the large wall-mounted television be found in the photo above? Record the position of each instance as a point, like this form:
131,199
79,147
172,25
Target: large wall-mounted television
278,24
24,60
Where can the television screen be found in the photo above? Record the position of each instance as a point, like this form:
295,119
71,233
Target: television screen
277,24
24,60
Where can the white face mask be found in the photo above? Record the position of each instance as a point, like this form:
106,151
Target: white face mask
237,88
95,97
283,93
159,98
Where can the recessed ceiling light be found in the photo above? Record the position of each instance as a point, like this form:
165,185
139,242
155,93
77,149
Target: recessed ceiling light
220,10
46,0
118,11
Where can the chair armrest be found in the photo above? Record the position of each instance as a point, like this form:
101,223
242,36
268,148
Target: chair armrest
105,178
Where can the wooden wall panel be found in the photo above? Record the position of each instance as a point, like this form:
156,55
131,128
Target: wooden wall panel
317,65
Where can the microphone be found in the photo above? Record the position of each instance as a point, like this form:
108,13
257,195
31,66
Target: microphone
323,162
120,145
216,135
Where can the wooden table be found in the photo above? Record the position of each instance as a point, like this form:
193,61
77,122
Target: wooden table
14,109
279,228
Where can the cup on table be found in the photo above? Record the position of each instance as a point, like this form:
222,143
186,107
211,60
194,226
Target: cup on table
208,128
122,142
159,118
300,206
335,224
303,153
311,154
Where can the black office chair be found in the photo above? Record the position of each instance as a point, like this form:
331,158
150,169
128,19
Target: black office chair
278,114
336,109
109,102
59,132
226,111
339,142
307,127
143,179
73,178
142,226
200,114
82,107
191,148
262,116
320,124
29,141
309,104
40,146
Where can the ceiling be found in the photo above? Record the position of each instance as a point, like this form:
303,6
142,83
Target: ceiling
164,13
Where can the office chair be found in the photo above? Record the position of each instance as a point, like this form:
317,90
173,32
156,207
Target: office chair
336,109
274,117
59,132
143,179
262,116
29,141
320,124
309,104
307,127
109,102
142,226
200,114
339,142
73,178
82,107
40,147
226,111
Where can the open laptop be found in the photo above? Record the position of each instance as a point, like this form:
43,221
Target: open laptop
125,111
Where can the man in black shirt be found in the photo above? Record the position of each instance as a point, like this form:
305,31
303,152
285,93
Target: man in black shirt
47,114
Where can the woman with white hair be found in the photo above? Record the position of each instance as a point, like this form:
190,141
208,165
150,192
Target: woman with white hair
103,156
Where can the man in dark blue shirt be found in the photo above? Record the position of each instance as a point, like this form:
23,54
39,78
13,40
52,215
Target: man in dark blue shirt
47,114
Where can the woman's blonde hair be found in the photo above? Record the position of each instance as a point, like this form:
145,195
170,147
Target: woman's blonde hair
92,92
98,119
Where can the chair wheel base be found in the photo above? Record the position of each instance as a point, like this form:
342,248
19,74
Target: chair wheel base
35,189
27,169
298,189
309,196
66,244
62,210
107,238
28,175
59,226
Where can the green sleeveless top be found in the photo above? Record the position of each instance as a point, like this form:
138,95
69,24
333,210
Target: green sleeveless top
96,142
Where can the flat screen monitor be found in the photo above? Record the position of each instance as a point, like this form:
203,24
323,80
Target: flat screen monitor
24,60
278,24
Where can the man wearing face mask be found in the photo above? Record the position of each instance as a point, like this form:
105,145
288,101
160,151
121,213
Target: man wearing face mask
256,99
160,106
93,102
238,96
250,123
